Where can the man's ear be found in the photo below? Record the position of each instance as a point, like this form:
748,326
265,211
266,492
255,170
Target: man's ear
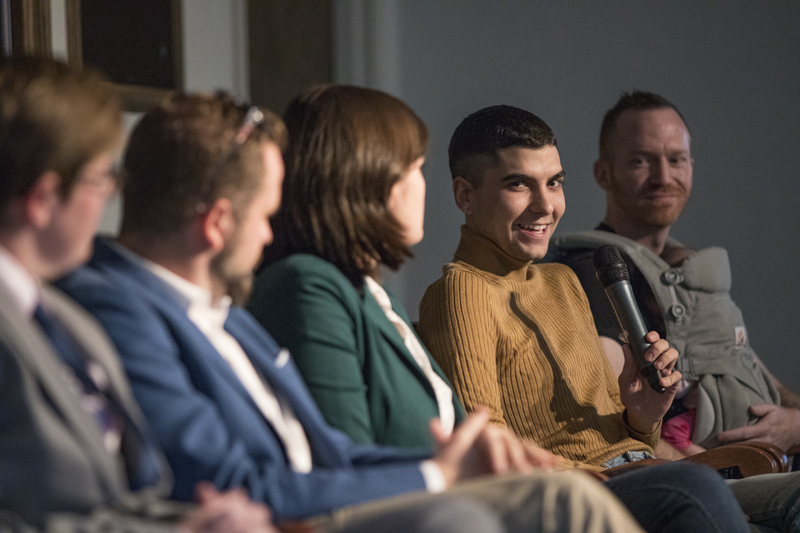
463,192
217,224
42,199
602,174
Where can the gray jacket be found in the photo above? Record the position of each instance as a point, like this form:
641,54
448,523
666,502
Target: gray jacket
705,326
55,473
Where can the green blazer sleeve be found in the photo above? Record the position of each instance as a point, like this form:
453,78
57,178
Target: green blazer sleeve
352,358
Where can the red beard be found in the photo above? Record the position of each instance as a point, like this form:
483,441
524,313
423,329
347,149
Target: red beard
654,212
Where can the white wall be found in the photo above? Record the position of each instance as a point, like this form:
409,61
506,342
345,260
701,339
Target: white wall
215,46
214,43
733,68
214,57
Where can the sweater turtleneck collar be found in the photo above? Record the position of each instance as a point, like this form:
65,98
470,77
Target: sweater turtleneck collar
484,254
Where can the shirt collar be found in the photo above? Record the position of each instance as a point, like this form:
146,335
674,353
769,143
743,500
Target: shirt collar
604,227
379,293
24,287
197,301
484,254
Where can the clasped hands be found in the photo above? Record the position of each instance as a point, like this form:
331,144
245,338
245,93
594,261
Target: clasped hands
230,511
476,448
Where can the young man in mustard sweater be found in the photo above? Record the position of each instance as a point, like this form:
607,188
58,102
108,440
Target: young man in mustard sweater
519,337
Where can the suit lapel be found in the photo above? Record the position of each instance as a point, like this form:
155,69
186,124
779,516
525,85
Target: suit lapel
254,340
141,281
273,364
44,363
148,463
96,346
375,314
397,306
277,368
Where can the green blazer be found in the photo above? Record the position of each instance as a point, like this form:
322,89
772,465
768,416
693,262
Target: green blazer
351,356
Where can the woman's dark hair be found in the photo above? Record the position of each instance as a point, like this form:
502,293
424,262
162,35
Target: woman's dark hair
347,147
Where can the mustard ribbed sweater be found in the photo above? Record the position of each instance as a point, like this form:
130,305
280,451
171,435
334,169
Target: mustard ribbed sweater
519,339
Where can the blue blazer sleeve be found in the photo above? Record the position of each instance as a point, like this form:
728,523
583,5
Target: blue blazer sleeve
209,431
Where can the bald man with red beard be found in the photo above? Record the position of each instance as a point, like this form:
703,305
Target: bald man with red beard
646,168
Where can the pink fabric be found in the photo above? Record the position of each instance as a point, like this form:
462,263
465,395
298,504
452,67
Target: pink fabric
678,429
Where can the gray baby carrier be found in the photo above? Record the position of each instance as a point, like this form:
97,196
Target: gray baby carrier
704,325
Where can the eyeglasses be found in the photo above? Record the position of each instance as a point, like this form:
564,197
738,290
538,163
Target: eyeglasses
105,183
253,118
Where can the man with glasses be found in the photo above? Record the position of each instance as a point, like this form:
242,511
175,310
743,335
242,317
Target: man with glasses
227,405
74,451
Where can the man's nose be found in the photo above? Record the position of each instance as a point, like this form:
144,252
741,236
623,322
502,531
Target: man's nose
541,202
661,171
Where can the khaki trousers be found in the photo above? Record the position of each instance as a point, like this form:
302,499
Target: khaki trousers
562,502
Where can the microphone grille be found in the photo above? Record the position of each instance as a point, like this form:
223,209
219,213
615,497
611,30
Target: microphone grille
609,266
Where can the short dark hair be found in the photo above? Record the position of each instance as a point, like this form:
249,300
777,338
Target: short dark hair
52,117
637,101
182,155
347,147
482,134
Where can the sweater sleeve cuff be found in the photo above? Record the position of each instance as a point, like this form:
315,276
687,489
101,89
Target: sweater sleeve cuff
433,477
651,439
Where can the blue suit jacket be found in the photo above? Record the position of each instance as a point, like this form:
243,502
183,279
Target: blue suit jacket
202,416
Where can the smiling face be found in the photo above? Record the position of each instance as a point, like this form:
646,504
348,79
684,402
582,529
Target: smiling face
648,176
519,201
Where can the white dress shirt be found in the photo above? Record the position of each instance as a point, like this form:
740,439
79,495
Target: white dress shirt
25,291
443,392
209,317
24,288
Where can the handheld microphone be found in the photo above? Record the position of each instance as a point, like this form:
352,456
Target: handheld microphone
612,272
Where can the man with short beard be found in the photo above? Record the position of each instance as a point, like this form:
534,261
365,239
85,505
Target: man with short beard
517,336
645,167
75,453
226,404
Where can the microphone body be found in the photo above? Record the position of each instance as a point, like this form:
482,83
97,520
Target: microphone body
613,275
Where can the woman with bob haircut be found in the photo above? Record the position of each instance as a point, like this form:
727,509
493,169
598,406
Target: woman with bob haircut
353,202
